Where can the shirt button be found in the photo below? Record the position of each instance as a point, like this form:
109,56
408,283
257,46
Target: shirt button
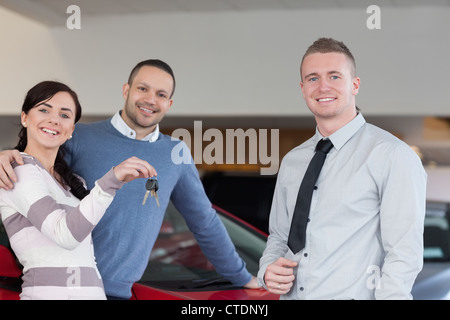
305,254
302,289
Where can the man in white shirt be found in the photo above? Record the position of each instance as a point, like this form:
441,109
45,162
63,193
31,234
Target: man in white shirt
364,236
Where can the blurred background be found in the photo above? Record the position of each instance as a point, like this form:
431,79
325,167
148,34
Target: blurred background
236,64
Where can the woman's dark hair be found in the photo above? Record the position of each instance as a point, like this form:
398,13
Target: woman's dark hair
39,94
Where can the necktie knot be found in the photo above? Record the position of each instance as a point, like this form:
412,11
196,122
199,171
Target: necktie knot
324,145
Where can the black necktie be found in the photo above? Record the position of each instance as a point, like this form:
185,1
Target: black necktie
297,233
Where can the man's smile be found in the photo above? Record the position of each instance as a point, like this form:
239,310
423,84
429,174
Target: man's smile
325,99
146,109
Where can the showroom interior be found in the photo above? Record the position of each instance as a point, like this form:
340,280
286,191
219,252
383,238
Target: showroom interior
236,65
238,102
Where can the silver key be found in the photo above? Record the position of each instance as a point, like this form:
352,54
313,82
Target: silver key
154,194
145,197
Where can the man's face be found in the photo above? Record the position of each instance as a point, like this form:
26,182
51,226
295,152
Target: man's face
147,99
328,86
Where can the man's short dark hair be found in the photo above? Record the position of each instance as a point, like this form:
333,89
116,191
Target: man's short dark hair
152,63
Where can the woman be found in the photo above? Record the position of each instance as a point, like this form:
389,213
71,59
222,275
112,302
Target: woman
49,215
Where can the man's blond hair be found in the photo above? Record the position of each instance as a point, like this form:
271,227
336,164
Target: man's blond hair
327,45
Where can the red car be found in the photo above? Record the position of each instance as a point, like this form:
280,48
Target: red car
177,268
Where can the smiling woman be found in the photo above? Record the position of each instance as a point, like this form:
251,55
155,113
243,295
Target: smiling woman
48,117
49,215
49,125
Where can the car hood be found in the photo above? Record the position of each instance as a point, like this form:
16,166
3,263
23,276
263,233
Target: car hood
433,282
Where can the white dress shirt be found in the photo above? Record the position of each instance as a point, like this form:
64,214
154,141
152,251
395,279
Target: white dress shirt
364,239
124,129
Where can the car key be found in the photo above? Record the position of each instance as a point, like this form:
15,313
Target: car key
151,187
154,191
147,192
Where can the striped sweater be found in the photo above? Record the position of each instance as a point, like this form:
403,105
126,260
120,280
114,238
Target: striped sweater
50,232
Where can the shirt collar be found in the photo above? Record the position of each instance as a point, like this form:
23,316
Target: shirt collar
341,136
119,124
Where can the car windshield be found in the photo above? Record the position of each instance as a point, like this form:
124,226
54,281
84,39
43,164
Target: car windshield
437,233
177,262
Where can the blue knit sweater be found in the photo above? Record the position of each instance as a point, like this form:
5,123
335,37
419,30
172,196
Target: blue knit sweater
124,237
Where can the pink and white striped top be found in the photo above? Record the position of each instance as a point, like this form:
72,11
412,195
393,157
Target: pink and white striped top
50,232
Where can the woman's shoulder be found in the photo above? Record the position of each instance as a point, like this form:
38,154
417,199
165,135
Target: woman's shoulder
27,160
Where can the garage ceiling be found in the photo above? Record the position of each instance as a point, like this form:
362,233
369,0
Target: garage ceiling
52,12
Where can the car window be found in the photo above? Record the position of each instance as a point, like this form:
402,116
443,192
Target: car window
247,196
436,233
177,261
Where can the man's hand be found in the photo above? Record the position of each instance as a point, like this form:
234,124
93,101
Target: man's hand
7,175
279,276
252,284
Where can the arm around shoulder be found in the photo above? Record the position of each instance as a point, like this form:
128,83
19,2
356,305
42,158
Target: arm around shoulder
7,174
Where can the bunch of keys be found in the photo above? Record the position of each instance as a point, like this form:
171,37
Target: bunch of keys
151,187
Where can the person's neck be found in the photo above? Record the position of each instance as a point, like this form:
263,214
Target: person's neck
141,132
46,157
328,126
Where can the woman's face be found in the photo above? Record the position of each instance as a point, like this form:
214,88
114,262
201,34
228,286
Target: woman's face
49,124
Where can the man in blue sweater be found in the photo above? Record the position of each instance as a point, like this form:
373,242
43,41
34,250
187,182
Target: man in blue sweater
126,234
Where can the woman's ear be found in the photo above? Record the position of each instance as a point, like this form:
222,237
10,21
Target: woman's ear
23,119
